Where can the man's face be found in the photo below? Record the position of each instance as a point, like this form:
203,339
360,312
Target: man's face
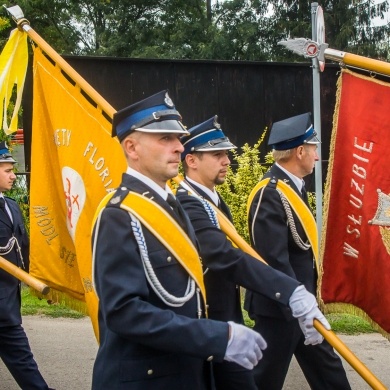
210,168
155,155
7,176
309,159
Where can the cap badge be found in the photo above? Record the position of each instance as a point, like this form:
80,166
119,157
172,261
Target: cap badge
168,101
216,124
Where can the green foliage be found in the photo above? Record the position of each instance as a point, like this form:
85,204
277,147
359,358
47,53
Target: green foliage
240,181
201,29
349,324
5,27
245,172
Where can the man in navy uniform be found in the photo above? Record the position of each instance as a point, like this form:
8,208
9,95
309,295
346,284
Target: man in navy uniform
15,350
153,334
278,235
206,161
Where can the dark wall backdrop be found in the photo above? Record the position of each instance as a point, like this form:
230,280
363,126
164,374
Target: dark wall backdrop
246,96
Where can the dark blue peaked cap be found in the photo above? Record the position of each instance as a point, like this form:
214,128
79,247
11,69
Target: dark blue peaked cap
292,132
205,137
5,155
155,114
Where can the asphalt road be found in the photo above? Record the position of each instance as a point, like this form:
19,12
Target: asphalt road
65,350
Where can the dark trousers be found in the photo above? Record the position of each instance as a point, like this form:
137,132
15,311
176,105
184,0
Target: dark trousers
16,354
321,366
231,376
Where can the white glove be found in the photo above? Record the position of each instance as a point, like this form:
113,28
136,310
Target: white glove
304,307
245,346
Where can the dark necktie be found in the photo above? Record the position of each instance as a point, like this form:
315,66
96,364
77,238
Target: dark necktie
178,211
3,209
304,194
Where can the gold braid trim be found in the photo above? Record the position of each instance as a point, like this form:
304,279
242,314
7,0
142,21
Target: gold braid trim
56,296
327,189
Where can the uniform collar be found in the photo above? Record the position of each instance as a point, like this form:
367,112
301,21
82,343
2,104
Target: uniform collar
150,183
296,180
213,195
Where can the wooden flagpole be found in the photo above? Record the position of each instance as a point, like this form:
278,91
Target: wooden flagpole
354,60
24,276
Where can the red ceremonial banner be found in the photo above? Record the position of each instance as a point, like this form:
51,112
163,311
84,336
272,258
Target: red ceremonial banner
355,244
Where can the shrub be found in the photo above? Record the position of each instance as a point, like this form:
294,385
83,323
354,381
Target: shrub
244,173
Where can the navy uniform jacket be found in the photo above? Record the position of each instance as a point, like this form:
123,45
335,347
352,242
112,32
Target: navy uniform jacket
229,266
145,344
10,286
269,235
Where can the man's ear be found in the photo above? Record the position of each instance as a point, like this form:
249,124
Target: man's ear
300,152
128,145
191,160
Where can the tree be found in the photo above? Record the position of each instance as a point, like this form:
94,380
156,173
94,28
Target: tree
137,28
241,28
201,29
351,28
348,25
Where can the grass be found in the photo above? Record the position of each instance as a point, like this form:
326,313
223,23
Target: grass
32,305
349,324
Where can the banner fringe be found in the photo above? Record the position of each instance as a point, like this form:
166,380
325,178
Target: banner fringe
328,182
347,308
59,297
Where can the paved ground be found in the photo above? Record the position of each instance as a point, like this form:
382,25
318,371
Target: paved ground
65,350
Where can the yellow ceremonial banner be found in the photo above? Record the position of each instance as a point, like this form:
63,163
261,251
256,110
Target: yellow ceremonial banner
75,162
13,66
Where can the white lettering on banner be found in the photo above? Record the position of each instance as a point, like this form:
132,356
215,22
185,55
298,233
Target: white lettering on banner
98,163
359,175
62,137
349,251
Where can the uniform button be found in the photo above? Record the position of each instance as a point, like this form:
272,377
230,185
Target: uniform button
169,259
210,358
123,188
277,295
150,372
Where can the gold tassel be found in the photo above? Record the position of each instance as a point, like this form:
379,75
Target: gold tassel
59,297
346,308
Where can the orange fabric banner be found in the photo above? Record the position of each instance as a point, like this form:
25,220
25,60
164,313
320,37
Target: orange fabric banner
74,163
355,246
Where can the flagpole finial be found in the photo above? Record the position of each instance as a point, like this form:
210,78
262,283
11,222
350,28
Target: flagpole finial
15,11
17,15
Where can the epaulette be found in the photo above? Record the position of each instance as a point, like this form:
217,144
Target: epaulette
118,197
182,190
273,182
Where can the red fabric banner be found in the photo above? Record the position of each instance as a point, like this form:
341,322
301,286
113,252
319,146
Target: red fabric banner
355,245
